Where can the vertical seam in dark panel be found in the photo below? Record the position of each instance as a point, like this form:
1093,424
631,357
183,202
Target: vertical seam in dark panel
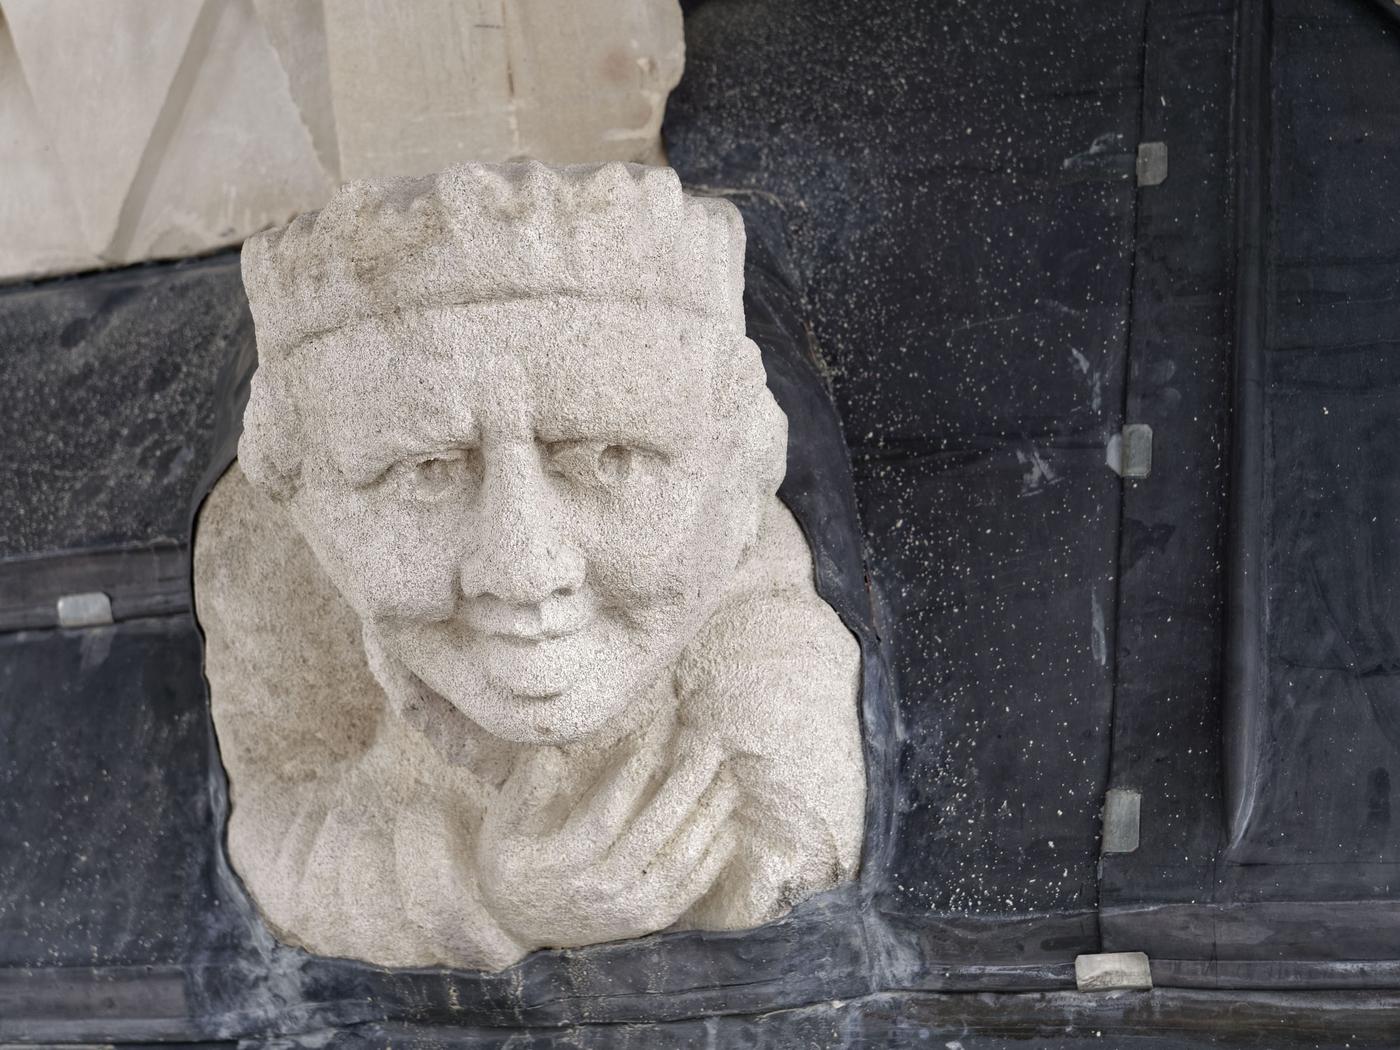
1120,564
1244,661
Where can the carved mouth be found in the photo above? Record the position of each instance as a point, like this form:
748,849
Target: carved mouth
517,657
527,627
525,639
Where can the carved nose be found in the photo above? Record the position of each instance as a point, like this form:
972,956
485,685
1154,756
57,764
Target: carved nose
522,557
530,569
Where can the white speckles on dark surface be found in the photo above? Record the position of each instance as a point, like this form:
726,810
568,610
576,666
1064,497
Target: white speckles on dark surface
965,229
107,385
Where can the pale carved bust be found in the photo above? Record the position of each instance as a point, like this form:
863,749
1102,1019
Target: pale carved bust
510,642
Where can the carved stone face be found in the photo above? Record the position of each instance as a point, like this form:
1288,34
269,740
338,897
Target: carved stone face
533,505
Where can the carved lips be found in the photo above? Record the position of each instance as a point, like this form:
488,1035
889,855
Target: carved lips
529,624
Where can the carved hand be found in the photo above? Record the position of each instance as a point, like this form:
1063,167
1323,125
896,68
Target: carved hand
620,864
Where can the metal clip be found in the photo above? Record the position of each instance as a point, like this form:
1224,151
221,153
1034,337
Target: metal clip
89,609
1129,452
1151,163
1122,811
1113,972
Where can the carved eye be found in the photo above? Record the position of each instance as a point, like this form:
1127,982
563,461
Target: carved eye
590,462
441,474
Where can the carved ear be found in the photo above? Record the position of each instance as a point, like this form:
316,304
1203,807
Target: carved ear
774,454
269,448
763,424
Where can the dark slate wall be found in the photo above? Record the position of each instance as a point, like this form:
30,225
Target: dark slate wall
946,229
1278,847
107,385
959,181
1332,352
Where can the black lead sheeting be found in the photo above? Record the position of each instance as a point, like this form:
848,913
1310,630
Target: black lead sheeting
1172,554
959,183
106,394
1279,848
945,230
1329,719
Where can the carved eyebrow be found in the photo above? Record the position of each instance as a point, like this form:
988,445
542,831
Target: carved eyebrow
617,420
661,444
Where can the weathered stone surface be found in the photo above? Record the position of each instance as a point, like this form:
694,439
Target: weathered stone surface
419,86
238,158
99,84
133,130
297,32
517,647
34,183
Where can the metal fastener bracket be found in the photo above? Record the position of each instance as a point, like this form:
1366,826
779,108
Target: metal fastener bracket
1122,810
1151,163
1113,972
1129,452
90,609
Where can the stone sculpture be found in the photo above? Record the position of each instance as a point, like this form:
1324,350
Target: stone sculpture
510,642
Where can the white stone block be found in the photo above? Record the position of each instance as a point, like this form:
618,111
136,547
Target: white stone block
141,129
422,84
102,77
41,230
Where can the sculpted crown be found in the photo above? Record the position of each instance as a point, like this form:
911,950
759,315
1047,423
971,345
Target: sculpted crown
484,232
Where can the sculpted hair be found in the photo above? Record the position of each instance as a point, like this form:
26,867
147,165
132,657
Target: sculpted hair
481,233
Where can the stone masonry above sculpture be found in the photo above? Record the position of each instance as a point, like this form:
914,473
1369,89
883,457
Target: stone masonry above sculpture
510,642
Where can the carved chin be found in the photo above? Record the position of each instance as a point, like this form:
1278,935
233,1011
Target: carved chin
531,712
535,670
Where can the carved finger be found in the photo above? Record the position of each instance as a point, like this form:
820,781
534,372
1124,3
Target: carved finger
711,866
603,814
671,887
711,817
531,784
671,806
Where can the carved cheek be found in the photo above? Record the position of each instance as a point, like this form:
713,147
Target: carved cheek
416,554
419,576
651,549
385,558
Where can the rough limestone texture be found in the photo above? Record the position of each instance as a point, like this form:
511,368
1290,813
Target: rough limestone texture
511,644
142,129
